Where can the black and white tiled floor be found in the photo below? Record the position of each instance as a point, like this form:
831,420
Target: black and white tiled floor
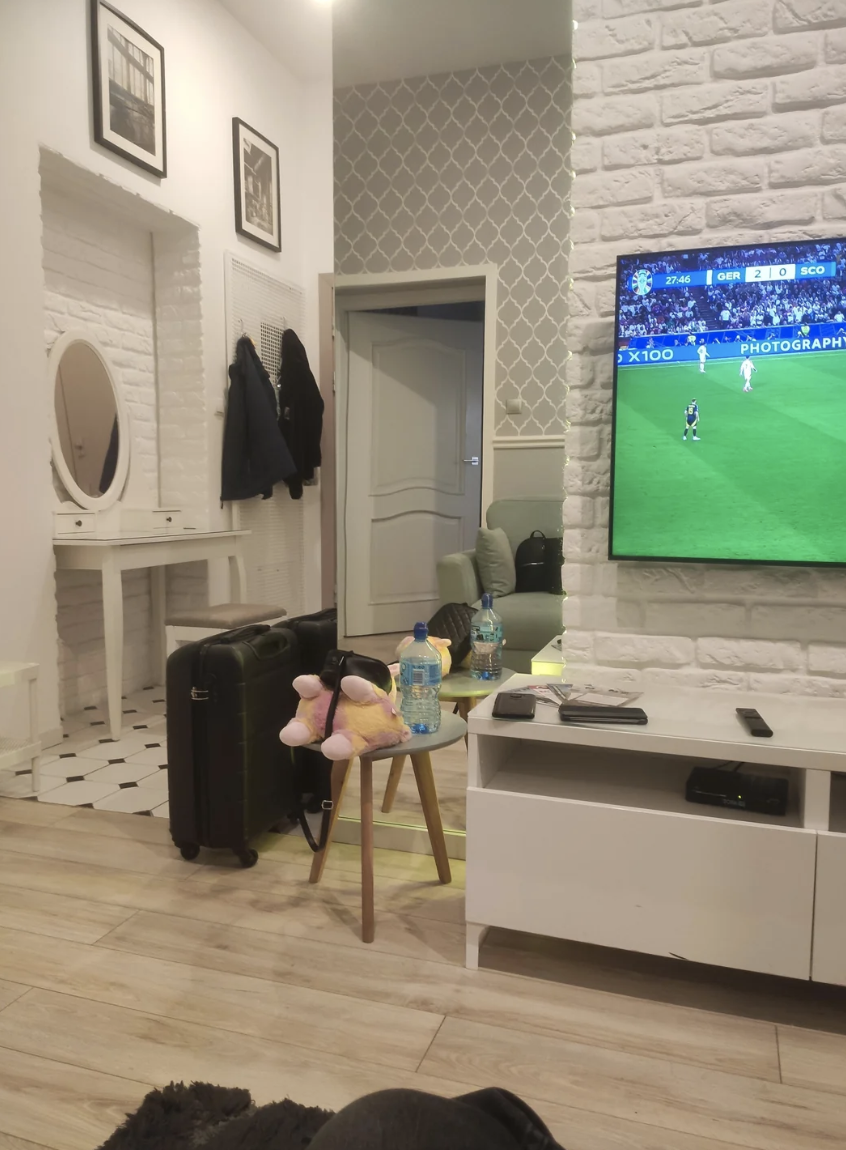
88,769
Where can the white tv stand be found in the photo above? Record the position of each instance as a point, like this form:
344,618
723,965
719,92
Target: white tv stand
584,833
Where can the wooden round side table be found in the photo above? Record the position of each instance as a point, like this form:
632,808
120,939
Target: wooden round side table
418,749
467,691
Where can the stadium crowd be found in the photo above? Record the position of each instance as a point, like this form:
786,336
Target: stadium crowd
776,304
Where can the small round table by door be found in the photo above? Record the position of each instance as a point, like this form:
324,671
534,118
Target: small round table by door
418,748
466,691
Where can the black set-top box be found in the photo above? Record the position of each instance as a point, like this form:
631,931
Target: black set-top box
723,788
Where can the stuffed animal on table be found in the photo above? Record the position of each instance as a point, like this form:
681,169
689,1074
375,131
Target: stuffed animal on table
366,718
442,646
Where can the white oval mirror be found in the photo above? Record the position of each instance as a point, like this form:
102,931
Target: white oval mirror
90,422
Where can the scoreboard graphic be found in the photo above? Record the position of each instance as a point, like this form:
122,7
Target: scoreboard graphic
642,282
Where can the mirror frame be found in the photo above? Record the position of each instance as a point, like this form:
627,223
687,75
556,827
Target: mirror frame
110,497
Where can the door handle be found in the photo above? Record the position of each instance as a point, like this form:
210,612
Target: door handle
473,461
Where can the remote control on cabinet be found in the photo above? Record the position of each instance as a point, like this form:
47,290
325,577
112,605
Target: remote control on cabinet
753,722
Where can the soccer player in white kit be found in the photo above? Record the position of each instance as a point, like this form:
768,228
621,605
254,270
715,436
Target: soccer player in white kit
746,369
703,355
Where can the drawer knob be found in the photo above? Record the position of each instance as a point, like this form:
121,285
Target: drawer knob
77,523
169,519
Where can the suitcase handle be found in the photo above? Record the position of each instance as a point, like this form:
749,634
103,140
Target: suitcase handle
243,634
270,650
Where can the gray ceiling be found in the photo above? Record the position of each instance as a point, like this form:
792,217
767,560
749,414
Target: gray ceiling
393,39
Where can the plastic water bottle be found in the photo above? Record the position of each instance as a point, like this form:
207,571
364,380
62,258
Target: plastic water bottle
486,642
420,682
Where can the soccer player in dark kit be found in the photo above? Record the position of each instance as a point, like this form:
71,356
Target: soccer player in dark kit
691,420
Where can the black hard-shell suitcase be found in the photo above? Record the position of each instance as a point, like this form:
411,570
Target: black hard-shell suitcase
229,777
317,635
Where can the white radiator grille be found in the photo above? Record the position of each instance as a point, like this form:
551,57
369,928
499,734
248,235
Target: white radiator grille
262,307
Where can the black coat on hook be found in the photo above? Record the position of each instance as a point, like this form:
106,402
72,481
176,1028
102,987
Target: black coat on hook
255,456
300,411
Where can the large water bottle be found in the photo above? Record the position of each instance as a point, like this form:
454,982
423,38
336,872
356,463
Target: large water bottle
420,682
486,642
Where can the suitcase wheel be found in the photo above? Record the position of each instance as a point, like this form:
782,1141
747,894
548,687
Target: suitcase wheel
188,851
247,857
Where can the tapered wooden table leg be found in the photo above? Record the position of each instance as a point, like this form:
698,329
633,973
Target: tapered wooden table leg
393,783
340,774
368,916
432,813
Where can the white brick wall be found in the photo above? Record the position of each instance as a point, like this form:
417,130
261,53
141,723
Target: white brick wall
696,123
184,429
139,294
98,276
183,410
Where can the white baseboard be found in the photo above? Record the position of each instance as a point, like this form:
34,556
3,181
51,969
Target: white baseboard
51,738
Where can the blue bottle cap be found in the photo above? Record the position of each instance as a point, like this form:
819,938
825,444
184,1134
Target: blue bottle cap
421,632
487,602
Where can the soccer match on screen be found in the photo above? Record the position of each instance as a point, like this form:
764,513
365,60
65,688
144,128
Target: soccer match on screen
730,405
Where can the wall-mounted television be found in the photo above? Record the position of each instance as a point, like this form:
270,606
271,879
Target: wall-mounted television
729,431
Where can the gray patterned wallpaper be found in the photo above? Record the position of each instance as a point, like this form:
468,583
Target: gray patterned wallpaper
469,168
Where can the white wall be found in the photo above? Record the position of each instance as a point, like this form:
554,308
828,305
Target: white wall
214,70
695,124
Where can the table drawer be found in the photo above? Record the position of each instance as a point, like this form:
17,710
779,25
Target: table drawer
703,889
150,519
74,522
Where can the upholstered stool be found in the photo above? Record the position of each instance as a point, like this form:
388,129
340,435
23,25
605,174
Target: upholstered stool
183,627
418,749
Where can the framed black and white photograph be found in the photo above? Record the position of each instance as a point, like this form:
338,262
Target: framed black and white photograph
128,78
256,186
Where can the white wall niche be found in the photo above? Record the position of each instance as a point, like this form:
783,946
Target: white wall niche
128,273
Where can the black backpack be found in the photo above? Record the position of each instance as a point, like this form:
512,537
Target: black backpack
538,564
530,563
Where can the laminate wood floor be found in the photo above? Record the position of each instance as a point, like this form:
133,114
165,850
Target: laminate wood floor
123,967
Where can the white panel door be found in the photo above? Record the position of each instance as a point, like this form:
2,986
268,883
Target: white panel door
414,423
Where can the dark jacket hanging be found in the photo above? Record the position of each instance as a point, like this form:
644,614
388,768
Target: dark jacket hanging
255,455
301,410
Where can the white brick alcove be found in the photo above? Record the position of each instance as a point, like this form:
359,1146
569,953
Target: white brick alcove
696,124
129,273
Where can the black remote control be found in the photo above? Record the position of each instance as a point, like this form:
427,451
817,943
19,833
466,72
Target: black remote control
753,722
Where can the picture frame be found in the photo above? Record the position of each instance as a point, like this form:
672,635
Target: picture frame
128,89
257,191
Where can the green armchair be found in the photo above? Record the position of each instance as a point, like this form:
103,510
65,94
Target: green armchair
530,619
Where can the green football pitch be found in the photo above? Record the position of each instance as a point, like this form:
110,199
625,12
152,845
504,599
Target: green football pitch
767,480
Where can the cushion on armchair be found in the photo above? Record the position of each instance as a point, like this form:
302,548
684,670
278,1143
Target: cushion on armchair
495,561
458,578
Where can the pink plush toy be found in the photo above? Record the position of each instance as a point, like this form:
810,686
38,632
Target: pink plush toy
366,718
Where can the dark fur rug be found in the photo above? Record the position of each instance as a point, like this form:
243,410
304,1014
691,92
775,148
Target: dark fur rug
215,1118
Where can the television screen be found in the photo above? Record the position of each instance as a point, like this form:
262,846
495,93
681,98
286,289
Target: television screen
729,438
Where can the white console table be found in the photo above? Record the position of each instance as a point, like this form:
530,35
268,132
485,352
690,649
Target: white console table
584,833
129,552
